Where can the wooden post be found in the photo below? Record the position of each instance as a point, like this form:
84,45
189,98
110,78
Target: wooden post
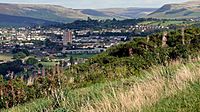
62,70
54,71
43,71
147,42
164,39
22,77
30,81
58,69
148,39
130,50
12,75
183,35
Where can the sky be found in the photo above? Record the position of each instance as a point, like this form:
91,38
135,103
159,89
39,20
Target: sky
96,4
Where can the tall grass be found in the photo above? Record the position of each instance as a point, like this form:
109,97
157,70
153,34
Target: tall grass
158,83
38,105
134,94
187,100
146,92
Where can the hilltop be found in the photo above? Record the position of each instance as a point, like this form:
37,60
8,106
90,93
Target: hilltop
41,11
184,10
123,13
62,14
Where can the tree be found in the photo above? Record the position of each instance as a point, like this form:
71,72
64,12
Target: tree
19,55
40,65
89,19
17,50
31,61
71,60
45,59
14,66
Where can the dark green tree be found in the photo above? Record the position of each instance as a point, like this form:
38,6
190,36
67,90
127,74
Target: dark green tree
19,55
31,61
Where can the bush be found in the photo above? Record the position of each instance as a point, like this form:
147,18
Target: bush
45,59
19,55
31,61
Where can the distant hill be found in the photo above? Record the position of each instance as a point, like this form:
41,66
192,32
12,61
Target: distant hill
45,12
189,9
120,13
65,15
8,20
130,12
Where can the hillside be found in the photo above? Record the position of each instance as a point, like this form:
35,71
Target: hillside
123,13
161,89
17,21
131,76
189,9
46,12
61,14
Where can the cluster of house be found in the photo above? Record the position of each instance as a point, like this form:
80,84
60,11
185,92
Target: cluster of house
88,41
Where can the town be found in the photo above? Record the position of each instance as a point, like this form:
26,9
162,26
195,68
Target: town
51,46
43,42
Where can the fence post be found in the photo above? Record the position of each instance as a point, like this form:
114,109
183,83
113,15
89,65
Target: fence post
164,39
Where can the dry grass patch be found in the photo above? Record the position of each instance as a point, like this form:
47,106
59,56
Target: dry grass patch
146,92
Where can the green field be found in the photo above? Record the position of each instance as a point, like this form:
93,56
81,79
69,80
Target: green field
80,55
161,23
48,64
187,100
6,57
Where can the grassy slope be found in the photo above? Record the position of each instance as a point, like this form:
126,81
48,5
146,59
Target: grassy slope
35,106
182,10
48,64
184,101
187,100
161,23
120,94
6,57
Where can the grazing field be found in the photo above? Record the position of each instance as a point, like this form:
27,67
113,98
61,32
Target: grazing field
48,64
81,55
162,23
6,57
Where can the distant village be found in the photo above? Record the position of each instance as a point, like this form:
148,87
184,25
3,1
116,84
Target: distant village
59,46
67,41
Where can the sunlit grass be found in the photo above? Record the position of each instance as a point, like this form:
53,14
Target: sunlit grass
6,57
144,93
187,100
38,105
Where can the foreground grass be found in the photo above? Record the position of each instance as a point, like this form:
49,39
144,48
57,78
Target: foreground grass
187,100
145,92
38,105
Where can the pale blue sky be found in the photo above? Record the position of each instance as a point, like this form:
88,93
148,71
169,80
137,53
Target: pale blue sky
80,4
